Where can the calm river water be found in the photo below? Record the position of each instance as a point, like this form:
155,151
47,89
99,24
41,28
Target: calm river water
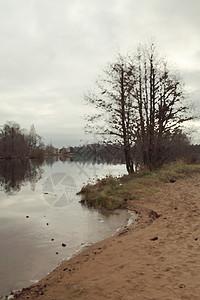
40,211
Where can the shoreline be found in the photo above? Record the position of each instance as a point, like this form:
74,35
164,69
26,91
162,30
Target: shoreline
143,217
158,258
84,246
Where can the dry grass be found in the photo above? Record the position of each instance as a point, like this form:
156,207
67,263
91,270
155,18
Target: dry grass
112,193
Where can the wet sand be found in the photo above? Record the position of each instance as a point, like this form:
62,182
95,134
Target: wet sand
158,258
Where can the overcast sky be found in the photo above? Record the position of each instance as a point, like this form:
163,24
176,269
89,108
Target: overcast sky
51,52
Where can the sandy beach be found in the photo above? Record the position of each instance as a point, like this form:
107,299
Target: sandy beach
157,258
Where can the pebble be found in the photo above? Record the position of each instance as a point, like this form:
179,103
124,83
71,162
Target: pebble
154,239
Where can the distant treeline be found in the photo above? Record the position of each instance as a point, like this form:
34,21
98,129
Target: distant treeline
19,143
16,142
178,147
99,153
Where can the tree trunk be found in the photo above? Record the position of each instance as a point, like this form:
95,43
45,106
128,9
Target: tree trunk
127,149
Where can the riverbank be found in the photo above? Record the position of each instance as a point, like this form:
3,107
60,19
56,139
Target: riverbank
158,258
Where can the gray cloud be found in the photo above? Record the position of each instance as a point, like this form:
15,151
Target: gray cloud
51,52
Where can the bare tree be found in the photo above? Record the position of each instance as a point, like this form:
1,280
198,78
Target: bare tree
139,102
114,115
161,105
33,139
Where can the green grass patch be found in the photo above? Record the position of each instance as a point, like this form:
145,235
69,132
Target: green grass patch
112,193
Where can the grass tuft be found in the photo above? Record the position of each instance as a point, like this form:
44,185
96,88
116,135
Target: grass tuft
112,193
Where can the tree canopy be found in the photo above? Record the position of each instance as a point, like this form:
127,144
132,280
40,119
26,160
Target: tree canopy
18,143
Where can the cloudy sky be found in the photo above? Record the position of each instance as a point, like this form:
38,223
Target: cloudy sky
51,52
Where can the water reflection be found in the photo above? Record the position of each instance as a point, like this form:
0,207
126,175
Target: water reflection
14,173
50,160
86,156
27,251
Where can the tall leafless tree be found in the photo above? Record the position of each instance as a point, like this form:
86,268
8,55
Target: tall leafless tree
161,105
140,102
114,115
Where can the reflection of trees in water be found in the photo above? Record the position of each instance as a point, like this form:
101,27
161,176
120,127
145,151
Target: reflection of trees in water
50,160
87,156
92,153
15,173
